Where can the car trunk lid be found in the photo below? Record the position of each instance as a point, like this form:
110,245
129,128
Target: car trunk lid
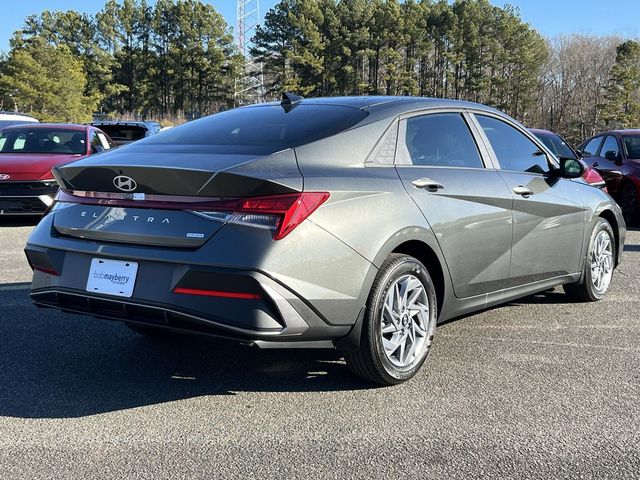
156,198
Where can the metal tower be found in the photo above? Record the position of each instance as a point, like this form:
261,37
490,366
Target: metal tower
250,84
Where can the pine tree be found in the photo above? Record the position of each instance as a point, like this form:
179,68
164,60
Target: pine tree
622,100
49,82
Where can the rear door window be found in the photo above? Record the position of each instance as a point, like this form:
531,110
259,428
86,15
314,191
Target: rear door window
439,140
514,150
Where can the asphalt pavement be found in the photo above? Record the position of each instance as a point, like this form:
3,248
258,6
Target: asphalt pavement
538,388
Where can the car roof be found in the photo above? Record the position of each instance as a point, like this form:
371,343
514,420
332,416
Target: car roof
382,107
16,114
542,131
624,131
60,126
374,101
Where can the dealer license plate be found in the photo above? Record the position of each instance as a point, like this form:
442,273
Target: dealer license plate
112,277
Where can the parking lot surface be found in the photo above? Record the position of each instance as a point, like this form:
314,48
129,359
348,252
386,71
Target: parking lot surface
538,388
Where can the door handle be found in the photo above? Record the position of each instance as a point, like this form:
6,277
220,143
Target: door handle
427,184
522,190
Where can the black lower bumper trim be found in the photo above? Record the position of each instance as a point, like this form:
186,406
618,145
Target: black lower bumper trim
149,315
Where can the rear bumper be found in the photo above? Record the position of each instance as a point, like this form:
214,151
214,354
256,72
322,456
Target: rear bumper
274,316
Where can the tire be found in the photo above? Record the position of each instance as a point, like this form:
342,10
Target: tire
628,200
385,366
149,332
587,290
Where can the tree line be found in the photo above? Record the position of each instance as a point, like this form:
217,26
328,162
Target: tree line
177,57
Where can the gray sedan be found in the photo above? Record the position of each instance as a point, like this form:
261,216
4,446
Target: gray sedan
353,223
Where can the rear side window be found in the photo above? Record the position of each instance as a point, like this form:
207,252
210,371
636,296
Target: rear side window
591,148
263,129
440,140
514,150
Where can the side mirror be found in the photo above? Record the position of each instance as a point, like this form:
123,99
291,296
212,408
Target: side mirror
580,153
571,167
611,155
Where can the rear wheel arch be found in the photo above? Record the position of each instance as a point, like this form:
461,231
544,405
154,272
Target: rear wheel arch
422,252
610,217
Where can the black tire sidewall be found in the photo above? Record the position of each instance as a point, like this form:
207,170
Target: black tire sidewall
401,266
630,211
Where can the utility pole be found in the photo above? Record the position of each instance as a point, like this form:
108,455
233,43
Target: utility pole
249,86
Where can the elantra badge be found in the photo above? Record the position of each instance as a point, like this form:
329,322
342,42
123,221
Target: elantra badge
4,176
124,183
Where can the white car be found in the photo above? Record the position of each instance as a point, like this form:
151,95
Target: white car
14,118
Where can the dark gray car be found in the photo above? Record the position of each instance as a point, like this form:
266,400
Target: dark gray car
349,223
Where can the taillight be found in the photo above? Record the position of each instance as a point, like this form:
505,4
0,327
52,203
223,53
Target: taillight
281,213
592,177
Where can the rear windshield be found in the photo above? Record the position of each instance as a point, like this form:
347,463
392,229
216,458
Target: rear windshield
43,140
122,132
262,130
556,145
632,144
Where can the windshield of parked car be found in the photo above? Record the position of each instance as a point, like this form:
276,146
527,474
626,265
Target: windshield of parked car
261,130
632,145
50,141
555,143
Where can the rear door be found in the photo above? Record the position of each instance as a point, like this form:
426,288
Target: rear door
466,202
548,213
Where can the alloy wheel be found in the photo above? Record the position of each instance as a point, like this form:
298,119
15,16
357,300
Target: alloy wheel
405,320
602,262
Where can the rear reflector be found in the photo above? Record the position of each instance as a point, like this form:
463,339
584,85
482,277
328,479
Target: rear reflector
216,293
49,271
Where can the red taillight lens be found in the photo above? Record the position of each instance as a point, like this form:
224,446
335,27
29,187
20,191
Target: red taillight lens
592,177
291,209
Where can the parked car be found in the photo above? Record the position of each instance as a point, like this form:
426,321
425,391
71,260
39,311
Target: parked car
354,223
562,149
123,133
27,154
15,118
616,156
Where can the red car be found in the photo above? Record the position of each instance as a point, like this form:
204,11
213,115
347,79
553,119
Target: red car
616,155
27,155
561,148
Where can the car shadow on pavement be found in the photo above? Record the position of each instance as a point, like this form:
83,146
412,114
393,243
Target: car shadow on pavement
19,221
58,365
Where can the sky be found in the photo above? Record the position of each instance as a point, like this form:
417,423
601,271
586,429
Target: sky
549,17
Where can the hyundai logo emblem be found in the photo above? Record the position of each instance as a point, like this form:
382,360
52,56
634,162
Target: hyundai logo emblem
124,183
4,176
